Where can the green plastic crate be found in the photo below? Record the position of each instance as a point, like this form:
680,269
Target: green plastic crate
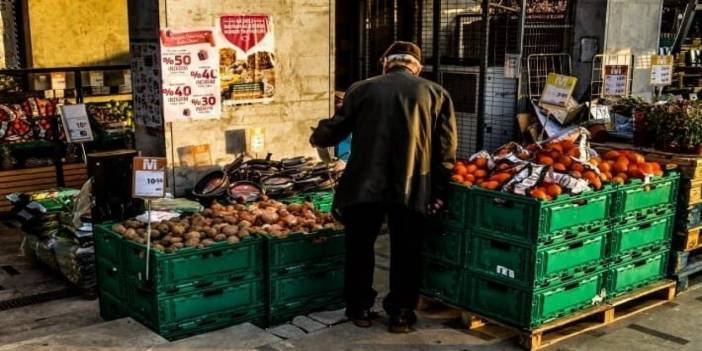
111,279
529,266
294,287
193,286
639,198
322,200
298,252
444,282
531,221
636,273
108,244
253,314
457,207
448,246
169,270
111,307
527,308
285,312
635,236
157,312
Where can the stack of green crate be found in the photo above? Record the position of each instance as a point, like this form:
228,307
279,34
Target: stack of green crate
533,261
642,229
186,293
322,200
305,273
444,251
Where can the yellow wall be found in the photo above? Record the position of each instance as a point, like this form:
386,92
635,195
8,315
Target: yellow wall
78,32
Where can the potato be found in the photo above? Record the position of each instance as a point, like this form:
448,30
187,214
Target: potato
130,232
155,234
210,232
159,247
207,242
244,224
178,229
119,228
269,217
176,239
177,245
217,220
230,220
230,230
141,231
220,237
167,239
192,235
243,233
232,239
163,228
192,242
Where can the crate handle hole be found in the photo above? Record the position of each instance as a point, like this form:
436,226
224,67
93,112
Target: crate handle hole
203,284
503,202
639,263
572,286
646,225
499,245
580,202
214,292
576,245
497,286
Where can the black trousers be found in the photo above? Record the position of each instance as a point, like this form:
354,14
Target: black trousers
363,223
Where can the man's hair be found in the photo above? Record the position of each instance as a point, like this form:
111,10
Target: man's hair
405,60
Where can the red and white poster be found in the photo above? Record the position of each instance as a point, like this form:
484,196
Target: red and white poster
190,76
246,59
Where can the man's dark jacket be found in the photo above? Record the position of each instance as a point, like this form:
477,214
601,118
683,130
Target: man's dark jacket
403,145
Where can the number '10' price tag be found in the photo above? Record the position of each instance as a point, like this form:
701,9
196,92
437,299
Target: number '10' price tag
149,177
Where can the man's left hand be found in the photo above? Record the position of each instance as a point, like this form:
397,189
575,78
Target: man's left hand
435,207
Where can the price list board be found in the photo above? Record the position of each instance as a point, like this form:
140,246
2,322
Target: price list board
189,62
76,123
616,80
661,70
149,180
558,89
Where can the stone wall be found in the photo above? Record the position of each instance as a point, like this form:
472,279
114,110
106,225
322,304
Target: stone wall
304,48
78,33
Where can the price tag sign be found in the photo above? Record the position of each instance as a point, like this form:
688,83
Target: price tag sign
616,80
149,181
58,80
97,78
76,123
600,113
661,70
558,89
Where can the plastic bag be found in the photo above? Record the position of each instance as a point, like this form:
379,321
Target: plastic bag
76,263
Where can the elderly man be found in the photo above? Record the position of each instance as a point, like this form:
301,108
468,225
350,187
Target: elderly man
403,149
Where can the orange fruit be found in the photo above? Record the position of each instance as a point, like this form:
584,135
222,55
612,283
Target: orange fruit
623,159
559,167
460,170
576,174
622,175
567,145
590,176
611,155
539,193
458,163
595,161
565,160
471,168
635,157
605,176
481,162
500,177
658,173
469,178
554,190
545,160
618,180
554,154
656,166
645,168
491,184
597,183
574,152
457,178
503,165
577,167
604,167
480,173
468,184
621,167
556,147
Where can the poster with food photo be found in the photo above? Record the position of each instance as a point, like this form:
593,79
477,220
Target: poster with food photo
246,59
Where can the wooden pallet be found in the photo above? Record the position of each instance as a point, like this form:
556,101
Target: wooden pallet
36,179
689,240
596,317
689,165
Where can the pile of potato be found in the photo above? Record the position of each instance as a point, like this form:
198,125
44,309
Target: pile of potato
229,223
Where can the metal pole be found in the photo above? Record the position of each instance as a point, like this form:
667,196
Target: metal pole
436,38
148,236
479,141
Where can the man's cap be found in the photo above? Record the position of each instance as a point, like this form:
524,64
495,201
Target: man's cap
404,48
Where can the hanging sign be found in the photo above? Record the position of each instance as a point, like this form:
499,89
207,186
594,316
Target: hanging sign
558,89
190,75
76,123
246,59
149,178
616,80
661,70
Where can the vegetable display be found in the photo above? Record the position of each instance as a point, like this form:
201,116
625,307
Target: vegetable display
230,223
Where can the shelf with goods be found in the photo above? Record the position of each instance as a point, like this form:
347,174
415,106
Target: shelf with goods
545,255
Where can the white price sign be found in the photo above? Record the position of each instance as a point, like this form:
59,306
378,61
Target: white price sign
76,123
616,80
661,70
558,89
58,80
149,180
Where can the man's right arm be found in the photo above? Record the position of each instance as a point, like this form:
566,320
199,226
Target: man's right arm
332,131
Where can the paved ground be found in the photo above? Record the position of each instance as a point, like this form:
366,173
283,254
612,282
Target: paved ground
74,324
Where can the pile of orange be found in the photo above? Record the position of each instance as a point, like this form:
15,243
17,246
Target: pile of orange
546,191
618,166
468,173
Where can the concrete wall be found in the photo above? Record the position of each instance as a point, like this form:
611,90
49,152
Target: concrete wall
590,19
304,47
76,33
633,26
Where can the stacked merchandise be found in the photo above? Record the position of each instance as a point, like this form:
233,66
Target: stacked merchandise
687,257
548,231
50,237
112,120
262,263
